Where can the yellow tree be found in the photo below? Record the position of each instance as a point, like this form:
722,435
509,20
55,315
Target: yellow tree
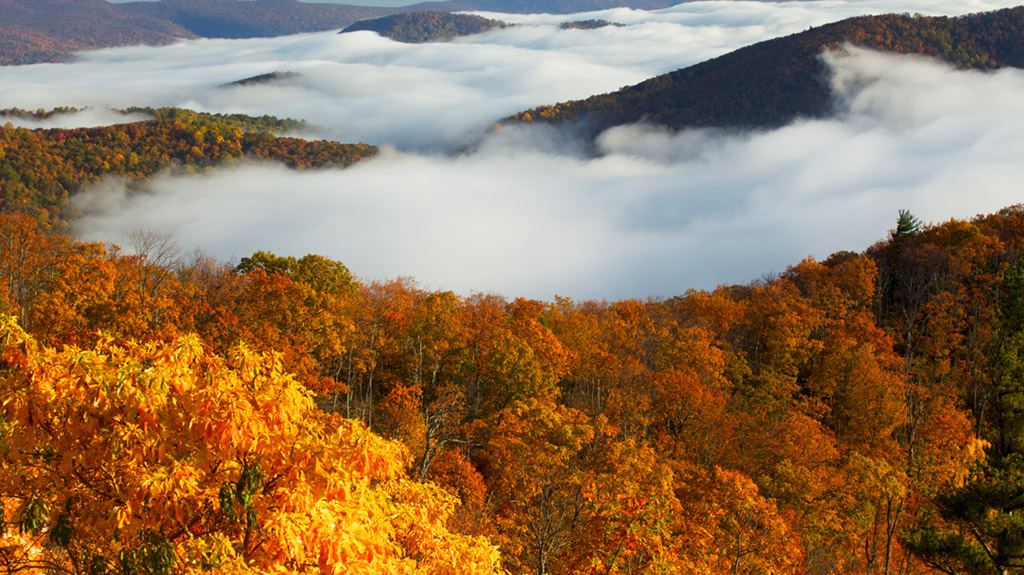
536,449
162,458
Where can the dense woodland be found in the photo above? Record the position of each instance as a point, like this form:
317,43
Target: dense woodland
40,169
586,24
771,83
418,27
859,414
251,19
51,30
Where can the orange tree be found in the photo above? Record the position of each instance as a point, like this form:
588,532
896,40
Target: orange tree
162,458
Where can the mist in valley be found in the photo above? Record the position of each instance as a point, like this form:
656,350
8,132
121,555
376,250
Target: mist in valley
531,210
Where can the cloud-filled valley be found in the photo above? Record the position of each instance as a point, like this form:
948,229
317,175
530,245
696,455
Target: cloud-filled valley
527,211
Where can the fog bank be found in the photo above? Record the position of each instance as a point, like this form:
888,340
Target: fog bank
527,214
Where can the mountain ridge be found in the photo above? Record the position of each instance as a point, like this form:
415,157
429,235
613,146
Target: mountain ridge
51,30
36,31
771,83
418,27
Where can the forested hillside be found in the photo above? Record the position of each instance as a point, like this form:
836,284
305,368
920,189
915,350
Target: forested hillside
848,415
416,27
50,30
770,83
41,169
256,18
586,24
545,6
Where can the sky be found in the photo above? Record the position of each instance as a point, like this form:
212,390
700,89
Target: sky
525,211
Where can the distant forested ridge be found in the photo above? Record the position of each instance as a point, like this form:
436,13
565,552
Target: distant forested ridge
546,6
33,31
417,27
40,169
254,18
50,30
773,82
263,79
586,24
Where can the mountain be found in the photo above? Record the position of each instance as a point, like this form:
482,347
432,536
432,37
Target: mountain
544,6
50,30
33,31
771,83
587,24
253,18
40,169
416,27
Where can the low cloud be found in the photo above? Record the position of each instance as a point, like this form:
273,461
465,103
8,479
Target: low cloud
86,118
528,214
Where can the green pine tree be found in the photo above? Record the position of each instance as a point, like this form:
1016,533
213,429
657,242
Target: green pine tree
980,530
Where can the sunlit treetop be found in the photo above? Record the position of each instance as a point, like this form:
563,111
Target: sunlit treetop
162,458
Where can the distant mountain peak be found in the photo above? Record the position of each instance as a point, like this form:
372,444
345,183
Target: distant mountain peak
432,26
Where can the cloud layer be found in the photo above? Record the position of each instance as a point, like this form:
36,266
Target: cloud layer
657,214
527,213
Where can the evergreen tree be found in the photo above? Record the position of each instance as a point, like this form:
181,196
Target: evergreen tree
982,528
906,225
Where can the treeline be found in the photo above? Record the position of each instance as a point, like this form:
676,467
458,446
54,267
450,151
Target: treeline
419,27
772,83
858,414
591,24
40,169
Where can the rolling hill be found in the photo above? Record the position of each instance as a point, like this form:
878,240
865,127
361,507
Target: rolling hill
41,168
543,6
773,82
417,27
255,18
50,30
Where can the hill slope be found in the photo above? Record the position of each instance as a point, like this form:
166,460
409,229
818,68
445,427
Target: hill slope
33,31
544,6
770,83
416,27
49,30
40,169
255,18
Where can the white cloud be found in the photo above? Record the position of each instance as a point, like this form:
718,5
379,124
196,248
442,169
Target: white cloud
658,213
85,118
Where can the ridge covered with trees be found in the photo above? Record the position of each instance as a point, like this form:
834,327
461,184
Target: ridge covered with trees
254,18
51,30
857,414
418,27
34,31
586,24
40,169
774,82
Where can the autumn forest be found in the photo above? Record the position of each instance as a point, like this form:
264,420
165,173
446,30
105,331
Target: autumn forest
167,413
164,411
